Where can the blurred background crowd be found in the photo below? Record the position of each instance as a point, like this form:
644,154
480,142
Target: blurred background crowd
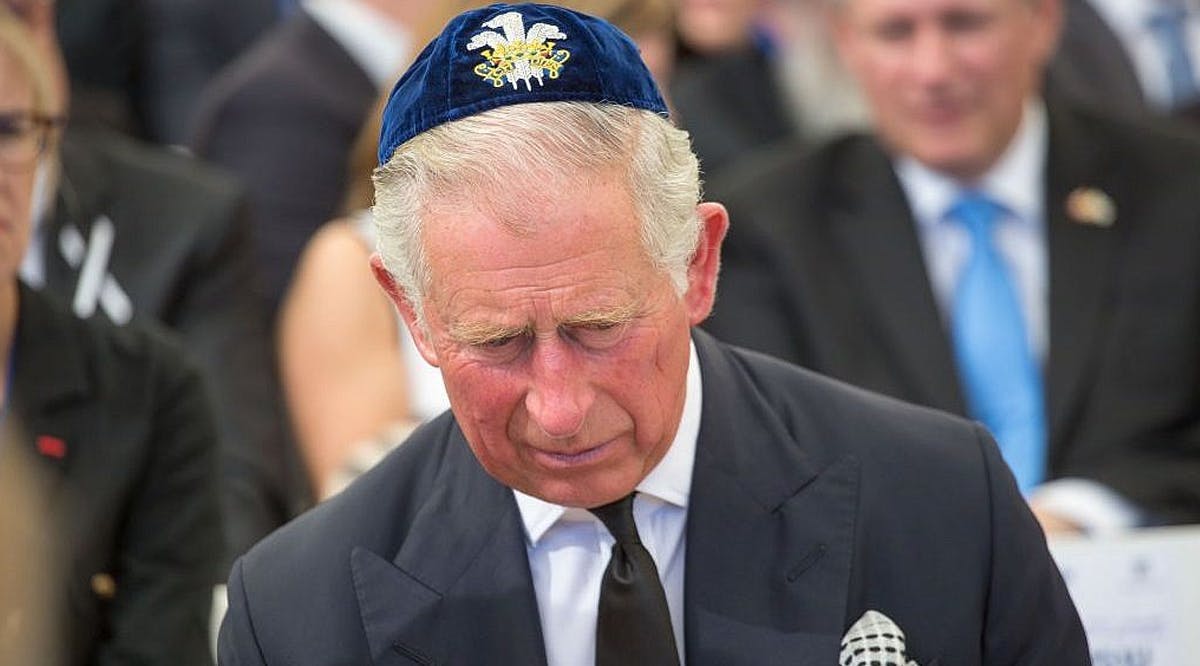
197,351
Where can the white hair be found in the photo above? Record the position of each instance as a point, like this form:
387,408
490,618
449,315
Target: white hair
469,158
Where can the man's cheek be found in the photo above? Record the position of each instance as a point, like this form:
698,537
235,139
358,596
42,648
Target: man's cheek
488,404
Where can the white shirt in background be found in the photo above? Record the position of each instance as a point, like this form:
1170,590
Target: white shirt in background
377,43
1129,20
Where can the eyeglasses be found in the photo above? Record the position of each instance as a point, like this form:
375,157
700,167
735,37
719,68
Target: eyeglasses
24,137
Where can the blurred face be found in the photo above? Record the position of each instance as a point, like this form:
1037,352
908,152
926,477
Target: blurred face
16,173
658,52
716,25
564,351
947,79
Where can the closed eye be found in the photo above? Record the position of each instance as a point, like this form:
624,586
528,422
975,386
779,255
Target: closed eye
500,348
895,30
500,341
963,22
597,335
496,342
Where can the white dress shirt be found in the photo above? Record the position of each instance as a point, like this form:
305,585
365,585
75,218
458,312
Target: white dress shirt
1129,20
1017,182
378,44
569,549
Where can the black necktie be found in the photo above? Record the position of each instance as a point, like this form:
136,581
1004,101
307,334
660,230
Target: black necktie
633,625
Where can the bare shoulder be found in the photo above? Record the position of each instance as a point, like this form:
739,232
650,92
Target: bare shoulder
335,263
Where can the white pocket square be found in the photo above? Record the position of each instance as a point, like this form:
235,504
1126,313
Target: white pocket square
874,641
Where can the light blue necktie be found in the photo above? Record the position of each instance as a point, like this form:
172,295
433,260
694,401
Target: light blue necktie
999,373
1168,23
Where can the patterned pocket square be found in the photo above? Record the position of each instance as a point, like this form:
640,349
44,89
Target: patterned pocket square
874,641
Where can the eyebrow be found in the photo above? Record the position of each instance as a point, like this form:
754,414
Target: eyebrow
606,316
478,332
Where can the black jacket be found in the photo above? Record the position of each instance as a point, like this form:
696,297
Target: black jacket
181,255
123,427
823,267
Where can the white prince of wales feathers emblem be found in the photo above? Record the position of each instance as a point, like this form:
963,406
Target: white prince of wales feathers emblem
518,55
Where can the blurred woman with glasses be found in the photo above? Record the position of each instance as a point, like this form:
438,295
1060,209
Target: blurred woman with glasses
29,128
115,419
25,136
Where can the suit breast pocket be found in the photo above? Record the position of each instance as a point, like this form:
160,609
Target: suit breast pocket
411,655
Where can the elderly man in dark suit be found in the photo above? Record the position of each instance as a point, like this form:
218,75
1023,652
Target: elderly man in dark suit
992,253
610,487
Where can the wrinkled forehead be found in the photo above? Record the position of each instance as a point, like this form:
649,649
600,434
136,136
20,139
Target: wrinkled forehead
526,201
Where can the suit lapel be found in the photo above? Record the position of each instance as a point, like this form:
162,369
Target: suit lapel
769,536
872,222
459,590
874,229
84,193
50,377
349,88
1081,260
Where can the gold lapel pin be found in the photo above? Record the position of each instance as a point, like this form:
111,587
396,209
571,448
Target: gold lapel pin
1088,205
103,586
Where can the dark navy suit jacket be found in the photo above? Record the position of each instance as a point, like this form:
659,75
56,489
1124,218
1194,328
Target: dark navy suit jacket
811,503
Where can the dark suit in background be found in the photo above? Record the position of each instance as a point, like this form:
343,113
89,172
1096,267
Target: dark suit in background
122,426
823,267
138,66
181,253
283,118
732,104
1091,64
1093,67
791,536
187,43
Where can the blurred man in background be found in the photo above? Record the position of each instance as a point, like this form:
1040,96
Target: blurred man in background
994,253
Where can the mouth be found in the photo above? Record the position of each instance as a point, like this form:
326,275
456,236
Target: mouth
940,115
941,110
563,459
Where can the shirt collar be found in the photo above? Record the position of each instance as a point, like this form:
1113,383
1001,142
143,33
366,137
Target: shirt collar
1015,179
670,481
1132,17
1123,15
374,41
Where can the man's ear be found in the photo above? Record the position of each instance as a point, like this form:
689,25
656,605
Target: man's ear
837,23
405,307
706,262
1048,28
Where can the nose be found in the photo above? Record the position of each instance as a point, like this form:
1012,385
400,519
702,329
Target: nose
559,395
931,56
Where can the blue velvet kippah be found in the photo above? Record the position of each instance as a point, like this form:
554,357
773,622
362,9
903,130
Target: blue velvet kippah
508,54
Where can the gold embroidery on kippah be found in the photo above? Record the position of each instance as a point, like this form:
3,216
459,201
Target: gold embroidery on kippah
517,55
